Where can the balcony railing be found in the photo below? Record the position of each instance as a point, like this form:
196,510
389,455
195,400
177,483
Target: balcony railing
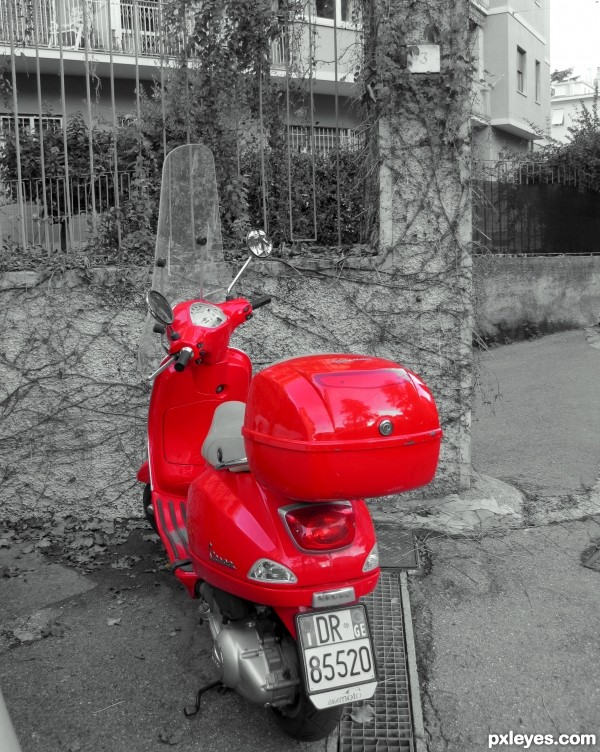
481,108
129,27
137,27
322,140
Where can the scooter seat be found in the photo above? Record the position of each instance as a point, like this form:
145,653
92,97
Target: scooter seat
224,444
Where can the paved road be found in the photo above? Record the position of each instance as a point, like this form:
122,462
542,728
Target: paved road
93,684
537,414
507,628
507,625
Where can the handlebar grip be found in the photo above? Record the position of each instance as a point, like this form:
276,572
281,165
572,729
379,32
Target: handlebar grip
183,358
260,301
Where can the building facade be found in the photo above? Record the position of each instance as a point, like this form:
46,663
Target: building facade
55,45
568,100
53,48
512,88
95,57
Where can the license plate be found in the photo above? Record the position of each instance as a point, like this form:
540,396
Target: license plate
337,655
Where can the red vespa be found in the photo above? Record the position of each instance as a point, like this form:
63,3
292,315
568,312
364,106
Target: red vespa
255,484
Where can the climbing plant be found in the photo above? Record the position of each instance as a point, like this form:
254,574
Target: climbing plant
408,300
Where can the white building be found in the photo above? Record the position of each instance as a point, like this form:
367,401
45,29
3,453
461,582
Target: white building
568,100
512,99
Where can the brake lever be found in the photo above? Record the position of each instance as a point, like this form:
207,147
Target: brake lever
164,367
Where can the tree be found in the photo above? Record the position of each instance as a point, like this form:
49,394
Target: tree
580,156
560,76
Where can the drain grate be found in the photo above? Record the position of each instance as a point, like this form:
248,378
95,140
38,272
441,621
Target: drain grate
390,729
397,548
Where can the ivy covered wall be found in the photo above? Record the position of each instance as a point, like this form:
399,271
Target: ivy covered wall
72,408
426,313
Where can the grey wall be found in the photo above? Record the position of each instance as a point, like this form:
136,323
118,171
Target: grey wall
539,293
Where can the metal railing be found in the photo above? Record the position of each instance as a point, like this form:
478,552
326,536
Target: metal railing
56,213
100,25
108,111
528,172
534,208
321,139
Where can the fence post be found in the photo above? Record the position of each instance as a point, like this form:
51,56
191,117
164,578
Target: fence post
13,37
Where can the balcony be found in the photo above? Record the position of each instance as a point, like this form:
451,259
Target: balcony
126,30
481,112
104,26
291,53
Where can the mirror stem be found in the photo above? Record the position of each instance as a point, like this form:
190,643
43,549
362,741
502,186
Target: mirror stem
239,274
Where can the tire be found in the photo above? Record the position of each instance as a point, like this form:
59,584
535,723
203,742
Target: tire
148,511
306,723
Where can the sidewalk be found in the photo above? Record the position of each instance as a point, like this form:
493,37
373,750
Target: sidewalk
106,661
507,623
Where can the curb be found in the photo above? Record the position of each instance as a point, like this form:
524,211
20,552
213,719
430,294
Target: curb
411,659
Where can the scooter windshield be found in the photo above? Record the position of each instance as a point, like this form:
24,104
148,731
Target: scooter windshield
189,261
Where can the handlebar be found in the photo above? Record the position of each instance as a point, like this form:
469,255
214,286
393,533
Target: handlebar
180,361
260,301
162,368
183,358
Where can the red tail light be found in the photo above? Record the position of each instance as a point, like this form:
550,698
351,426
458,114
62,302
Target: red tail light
322,527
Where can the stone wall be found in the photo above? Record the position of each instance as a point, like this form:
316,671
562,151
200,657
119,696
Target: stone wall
518,296
73,406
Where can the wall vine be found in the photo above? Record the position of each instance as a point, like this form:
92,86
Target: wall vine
407,297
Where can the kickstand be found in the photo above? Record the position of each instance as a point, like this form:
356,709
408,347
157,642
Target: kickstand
193,709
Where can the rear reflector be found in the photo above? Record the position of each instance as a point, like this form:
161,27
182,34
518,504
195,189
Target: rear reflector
322,527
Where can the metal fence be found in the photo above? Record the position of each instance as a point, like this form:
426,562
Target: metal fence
70,207
105,59
534,208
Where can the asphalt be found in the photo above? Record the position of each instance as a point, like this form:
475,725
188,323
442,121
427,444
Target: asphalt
537,412
107,659
507,622
100,649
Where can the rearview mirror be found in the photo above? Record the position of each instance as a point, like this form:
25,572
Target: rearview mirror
258,243
159,307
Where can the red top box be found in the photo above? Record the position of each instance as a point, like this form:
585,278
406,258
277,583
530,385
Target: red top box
326,427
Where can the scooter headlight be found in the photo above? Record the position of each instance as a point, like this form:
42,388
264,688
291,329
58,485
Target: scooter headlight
372,560
265,570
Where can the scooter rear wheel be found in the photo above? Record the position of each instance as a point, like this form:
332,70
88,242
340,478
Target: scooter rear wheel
306,723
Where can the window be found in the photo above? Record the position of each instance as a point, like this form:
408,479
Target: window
521,58
29,123
558,117
323,139
327,8
538,80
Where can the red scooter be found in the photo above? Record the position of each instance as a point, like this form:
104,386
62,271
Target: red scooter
255,483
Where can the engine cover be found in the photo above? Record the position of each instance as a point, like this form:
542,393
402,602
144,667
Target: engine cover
256,665
252,660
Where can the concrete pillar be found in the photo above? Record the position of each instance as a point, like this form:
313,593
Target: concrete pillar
425,210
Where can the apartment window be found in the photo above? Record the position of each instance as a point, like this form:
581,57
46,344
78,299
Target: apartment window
558,117
521,59
538,80
327,9
321,139
29,123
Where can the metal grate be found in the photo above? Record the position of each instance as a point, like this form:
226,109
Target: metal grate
390,730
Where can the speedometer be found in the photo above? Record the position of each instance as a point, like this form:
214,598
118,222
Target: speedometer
208,316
